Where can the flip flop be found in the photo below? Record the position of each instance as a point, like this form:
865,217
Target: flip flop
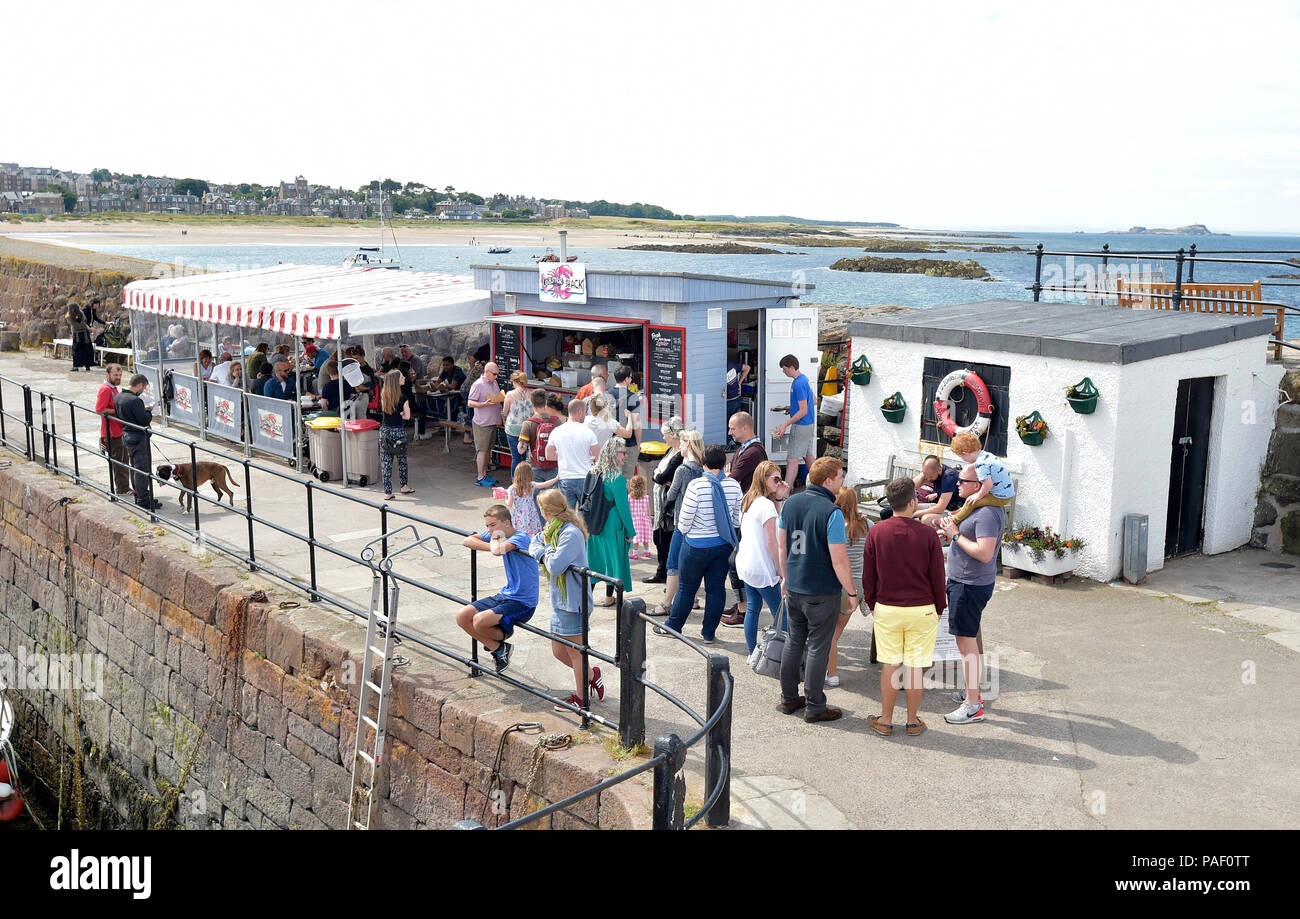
874,722
915,730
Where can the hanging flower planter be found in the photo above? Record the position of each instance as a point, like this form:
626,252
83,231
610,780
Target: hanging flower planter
894,408
860,371
1031,428
1082,396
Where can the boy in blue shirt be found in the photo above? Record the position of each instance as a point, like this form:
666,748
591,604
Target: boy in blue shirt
802,424
493,619
996,487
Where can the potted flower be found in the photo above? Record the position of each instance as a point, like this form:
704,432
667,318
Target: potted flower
1082,396
894,408
1031,428
860,371
1040,550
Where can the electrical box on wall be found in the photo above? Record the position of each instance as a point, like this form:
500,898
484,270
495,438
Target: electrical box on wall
1135,548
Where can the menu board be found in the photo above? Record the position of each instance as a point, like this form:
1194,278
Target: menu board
665,376
507,348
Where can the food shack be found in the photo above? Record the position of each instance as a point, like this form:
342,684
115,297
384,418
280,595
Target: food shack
678,332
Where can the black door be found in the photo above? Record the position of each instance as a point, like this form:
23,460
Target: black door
1184,526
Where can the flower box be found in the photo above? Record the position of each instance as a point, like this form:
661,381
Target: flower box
894,408
1050,565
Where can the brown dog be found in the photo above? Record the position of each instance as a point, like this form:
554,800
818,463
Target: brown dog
192,475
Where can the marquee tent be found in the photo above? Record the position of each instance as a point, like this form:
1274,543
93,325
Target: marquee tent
316,300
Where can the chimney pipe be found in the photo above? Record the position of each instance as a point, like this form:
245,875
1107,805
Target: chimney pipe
564,245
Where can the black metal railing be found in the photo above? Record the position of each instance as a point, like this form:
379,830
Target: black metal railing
20,433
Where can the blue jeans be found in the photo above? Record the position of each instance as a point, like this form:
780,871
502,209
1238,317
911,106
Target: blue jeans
710,566
675,551
513,443
754,597
572,490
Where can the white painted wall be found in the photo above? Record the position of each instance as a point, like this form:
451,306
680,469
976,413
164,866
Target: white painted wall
1121,457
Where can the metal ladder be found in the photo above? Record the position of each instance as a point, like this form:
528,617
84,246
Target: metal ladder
380,626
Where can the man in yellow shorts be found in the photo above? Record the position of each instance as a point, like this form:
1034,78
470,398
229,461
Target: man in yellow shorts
903,582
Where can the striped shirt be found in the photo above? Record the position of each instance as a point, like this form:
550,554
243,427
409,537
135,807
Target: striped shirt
695,515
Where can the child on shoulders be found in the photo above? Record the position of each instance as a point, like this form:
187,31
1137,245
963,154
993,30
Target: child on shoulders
996,487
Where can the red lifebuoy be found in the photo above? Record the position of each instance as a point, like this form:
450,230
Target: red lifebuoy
983,403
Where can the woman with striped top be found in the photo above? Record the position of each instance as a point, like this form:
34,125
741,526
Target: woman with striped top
708,518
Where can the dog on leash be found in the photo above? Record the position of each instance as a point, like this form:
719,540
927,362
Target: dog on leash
192,475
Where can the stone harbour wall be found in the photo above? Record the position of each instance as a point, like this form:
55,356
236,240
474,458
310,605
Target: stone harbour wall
203,703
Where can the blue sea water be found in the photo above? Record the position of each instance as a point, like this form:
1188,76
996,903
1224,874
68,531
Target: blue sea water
1012,272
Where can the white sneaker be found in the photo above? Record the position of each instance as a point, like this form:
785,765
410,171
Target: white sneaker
965,714
832,681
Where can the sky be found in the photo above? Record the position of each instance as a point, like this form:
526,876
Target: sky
982,115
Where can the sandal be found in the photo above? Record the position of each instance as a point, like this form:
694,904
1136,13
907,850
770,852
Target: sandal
915,730
659,609
608,601
388,497
874,722
408,490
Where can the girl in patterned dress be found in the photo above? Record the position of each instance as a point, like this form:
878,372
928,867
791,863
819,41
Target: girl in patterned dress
640,504
524,514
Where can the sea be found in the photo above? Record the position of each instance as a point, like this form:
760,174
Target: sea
1012,273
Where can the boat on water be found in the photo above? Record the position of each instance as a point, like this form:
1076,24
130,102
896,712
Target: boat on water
498,250
373,256
11,802
552,257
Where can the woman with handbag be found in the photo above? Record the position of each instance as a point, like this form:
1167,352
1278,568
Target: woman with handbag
561,547
670,430
607,546
83,352
756,558
691,444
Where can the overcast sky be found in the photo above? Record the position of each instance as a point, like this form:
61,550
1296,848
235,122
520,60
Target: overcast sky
975,114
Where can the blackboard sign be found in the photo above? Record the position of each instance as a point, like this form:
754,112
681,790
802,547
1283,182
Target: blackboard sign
665,374
507,348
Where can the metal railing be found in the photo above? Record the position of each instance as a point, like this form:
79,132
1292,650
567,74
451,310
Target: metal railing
38,439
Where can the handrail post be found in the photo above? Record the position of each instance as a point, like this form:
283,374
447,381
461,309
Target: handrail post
45,433
717,745
311,539
30,418
194,498
76,457
631,664
670,784
1038,272
248,499
4,438
473,595
1191,265
1178,280
584,605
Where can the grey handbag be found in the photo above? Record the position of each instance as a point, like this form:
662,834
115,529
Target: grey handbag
766,658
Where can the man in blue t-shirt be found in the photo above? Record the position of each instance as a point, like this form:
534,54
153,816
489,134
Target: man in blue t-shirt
802,447
493,619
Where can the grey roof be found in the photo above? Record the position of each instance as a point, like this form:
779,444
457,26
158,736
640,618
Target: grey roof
1107,334
685,275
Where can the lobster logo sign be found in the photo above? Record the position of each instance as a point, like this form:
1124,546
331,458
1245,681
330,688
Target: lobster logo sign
983,403
562,283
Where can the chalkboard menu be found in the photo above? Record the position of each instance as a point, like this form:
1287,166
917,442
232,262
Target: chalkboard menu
665,376
507,349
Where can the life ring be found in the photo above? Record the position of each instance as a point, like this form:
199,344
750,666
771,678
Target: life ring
983,403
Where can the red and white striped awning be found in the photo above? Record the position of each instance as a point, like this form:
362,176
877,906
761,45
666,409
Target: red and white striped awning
315,300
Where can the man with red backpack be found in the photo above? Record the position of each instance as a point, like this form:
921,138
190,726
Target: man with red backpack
534,436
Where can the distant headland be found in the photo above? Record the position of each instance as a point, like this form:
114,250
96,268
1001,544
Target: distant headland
1192,229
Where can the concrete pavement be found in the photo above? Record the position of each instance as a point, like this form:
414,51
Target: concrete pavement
1166,705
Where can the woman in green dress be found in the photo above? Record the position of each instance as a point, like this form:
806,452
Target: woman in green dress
607,550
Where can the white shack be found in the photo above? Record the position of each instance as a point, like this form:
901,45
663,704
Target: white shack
1179,433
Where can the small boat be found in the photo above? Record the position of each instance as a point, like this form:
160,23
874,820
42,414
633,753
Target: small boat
370,257
549,257
498,250
11,802
571,258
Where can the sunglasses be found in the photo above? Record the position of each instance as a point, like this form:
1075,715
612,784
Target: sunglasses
967,481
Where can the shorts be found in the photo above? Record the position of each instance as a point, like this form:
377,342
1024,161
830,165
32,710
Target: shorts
803,441
512,612
566,622
905,634
485,437
966,604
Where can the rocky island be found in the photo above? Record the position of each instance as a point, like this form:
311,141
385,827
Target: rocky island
707,249
1192,229
934,268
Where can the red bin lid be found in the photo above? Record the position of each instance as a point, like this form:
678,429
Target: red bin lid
362,424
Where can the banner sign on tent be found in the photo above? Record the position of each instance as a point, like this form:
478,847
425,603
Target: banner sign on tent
226,411
562,282
185,399
272,424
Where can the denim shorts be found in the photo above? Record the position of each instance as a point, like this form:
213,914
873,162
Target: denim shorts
674,552
966,604
510,611
566,622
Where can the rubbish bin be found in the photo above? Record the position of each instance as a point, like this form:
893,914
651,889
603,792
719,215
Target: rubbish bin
363,451
325,448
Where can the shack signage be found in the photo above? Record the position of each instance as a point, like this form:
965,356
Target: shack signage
565,282
665,377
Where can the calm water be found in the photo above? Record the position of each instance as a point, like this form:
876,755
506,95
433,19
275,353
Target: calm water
1012,272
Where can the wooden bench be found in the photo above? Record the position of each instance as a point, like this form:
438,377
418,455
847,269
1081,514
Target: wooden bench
123,356
51,348
1223,299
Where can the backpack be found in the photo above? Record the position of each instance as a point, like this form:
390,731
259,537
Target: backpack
594,505
545,425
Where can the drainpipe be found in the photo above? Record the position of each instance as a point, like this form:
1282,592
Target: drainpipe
564,245
1067,454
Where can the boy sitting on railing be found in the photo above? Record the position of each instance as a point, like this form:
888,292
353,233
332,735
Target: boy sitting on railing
492,620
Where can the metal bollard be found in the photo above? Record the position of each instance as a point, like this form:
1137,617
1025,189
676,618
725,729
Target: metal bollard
717,746
670,784
631,664
27,414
